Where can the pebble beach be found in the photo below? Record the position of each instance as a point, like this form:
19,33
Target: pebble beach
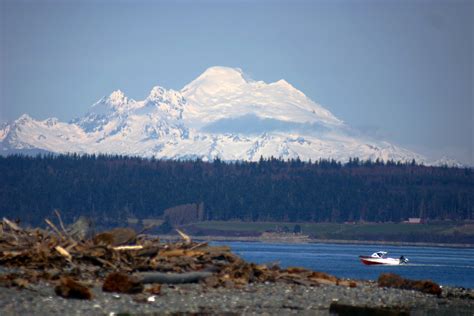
252,299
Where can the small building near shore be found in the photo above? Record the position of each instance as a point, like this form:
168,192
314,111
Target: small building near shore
414,220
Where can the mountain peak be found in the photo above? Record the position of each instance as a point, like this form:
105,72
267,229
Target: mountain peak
215,79
222,72
156,93
283,82
24,118
286,85
117,98
115,102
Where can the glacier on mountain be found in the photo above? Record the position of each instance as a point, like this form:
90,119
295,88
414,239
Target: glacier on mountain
221,114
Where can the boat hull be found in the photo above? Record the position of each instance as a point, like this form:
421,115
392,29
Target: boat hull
379,261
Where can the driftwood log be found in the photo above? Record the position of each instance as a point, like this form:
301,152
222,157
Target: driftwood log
172,278
121,282
115,237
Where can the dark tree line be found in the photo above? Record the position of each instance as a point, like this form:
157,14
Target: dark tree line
112,188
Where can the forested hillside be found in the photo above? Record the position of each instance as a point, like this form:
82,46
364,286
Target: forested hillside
112,188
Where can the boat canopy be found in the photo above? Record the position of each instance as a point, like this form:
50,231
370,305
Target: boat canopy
379,254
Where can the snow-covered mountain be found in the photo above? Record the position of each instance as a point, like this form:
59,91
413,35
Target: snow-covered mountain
222,113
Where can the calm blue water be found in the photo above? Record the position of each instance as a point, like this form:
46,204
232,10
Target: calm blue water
446,266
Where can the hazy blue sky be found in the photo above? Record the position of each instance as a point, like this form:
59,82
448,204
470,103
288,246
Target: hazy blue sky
402,70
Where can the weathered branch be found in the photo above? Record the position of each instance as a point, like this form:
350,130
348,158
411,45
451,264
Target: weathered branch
130,247
172,278
56,230
185,237
61,222
63,252
11,224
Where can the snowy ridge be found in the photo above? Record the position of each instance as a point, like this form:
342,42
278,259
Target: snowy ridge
222,113
222,92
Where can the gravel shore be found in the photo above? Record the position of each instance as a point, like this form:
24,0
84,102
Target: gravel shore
254,299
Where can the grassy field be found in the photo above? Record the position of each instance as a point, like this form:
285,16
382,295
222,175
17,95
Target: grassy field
145,222
429,232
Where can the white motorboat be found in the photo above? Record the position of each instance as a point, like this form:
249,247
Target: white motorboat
380,257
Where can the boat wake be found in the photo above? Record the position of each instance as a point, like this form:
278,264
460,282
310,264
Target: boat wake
437,265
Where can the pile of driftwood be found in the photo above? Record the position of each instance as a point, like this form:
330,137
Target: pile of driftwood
124,261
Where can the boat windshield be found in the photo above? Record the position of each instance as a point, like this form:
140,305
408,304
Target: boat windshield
379,254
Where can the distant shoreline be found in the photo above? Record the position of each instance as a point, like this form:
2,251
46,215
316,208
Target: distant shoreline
320,241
